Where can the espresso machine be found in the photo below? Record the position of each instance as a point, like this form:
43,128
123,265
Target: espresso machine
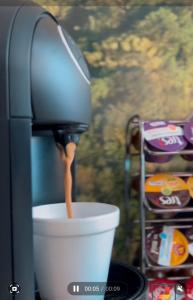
44,100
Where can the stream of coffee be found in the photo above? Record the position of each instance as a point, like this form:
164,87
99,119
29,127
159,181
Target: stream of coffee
67,156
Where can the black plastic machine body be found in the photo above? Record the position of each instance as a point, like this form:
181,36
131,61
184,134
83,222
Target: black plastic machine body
44,90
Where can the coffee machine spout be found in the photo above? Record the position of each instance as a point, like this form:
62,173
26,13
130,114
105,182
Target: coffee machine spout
62,139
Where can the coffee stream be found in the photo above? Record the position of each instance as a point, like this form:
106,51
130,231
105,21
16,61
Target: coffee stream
67,155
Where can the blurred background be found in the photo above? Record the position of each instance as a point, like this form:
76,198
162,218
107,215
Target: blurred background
141,61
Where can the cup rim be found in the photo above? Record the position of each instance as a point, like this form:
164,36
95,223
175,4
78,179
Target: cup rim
77,226
75,220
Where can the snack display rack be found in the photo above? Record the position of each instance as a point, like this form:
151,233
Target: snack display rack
183,221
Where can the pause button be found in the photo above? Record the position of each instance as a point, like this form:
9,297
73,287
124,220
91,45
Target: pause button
76,288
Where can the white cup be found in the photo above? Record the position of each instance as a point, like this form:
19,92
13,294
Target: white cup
72,250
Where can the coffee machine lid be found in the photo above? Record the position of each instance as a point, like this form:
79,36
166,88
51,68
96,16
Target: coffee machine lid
59,77
45,74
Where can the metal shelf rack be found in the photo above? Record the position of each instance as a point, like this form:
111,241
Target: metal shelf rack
136,124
